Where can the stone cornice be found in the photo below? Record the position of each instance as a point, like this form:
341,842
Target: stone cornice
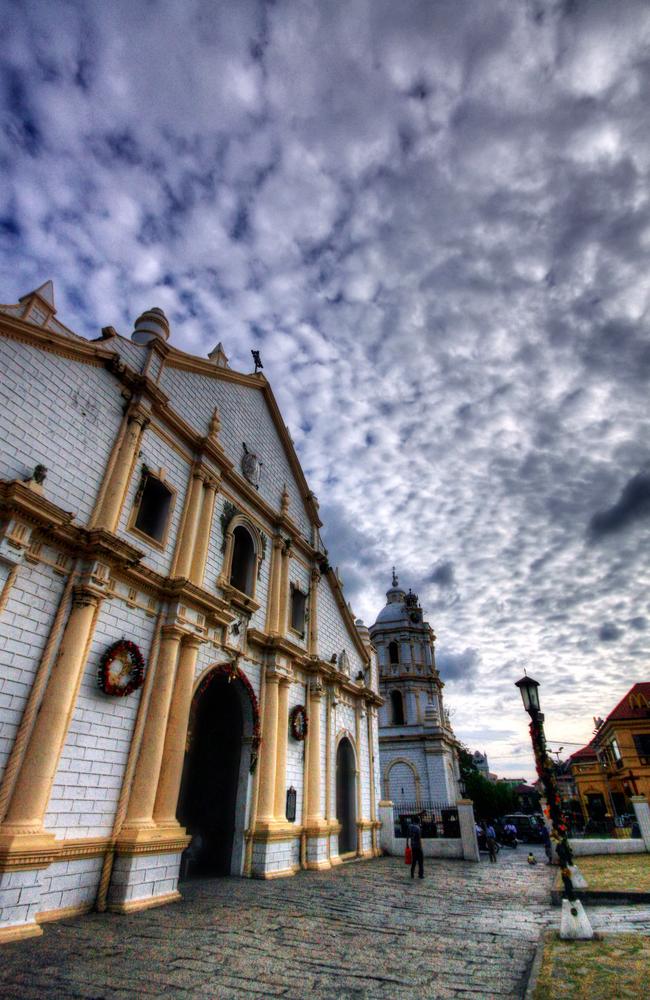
18,498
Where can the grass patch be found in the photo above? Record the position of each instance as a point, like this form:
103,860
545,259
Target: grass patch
622,872
613,967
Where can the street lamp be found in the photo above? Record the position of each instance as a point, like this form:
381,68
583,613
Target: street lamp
580,926
529,694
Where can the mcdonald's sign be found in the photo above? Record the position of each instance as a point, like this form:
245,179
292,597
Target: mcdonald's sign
638,700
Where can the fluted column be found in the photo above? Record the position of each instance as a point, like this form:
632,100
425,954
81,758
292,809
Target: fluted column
33,785
187,536
266,804
109,512
314,813
173,756
281,751
313,612
139,814
203,532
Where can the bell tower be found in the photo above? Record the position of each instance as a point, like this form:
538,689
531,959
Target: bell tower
417,746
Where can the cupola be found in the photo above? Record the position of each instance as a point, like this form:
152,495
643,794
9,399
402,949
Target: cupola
151,325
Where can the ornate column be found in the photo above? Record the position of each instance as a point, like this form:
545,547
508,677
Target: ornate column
139,815
203,531
171,771
371,763
281,751
284,587
187,534
357,737
314,814
32,789
313,612
267,765
274,586
108,514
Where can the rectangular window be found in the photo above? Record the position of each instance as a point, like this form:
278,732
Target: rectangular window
616,753
298,605
153,509
642,744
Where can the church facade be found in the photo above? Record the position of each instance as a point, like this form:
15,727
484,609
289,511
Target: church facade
184,690
417,746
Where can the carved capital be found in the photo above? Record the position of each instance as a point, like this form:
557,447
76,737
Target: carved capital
83,596
137,414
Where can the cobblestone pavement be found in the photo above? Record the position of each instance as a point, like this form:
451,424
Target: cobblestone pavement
626,919
362,931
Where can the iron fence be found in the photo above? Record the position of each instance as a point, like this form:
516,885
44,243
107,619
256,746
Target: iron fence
437,819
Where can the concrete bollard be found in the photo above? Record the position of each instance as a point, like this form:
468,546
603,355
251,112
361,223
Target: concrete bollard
468,829
387,835
642,811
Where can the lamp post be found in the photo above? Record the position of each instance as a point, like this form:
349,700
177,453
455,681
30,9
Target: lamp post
575,923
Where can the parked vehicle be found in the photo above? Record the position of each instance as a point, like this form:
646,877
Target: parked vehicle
529,828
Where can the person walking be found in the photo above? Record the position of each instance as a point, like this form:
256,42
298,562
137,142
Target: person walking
414,838
546,841
491,840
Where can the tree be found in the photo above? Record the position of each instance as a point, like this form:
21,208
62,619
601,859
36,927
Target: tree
490,799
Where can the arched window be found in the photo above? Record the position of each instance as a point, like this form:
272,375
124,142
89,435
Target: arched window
243,561
398,708
393,652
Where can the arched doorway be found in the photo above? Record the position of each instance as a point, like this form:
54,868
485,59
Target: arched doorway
214,790
346,805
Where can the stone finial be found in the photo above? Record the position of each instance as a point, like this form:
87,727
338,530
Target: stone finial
215,423
150,325
218,356
395,580
284,501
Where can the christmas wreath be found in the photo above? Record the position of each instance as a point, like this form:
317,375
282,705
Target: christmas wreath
298,722
121,669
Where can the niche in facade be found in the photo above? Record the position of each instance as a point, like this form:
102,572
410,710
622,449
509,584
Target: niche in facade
242,573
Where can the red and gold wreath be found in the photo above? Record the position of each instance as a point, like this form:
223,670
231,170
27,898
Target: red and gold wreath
121,669
298,722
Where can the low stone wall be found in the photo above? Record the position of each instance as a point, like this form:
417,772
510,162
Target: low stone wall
465,846
582,848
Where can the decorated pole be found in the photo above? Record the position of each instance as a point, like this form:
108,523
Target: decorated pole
575,923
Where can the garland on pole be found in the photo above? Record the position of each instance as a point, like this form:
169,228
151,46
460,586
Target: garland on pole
546,773
121,669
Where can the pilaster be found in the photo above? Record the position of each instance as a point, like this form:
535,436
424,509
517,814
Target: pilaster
171,771
203,531
139,824
121,467
187,535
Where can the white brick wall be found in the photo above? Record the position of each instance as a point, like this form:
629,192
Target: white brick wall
244,418
296,751
62,414
135,355
24,628
89,777
155,454
20,896
333,635
142,876
69,883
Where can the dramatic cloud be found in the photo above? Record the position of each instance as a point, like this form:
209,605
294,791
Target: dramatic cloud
633,504
433,220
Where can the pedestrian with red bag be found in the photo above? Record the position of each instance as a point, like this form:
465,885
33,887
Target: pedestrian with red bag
414,846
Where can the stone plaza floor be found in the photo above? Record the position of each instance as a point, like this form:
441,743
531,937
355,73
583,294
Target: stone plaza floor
361,931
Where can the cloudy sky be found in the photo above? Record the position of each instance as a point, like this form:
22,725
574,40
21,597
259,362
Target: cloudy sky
433,220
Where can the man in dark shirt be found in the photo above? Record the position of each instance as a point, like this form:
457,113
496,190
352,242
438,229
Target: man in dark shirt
414,838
